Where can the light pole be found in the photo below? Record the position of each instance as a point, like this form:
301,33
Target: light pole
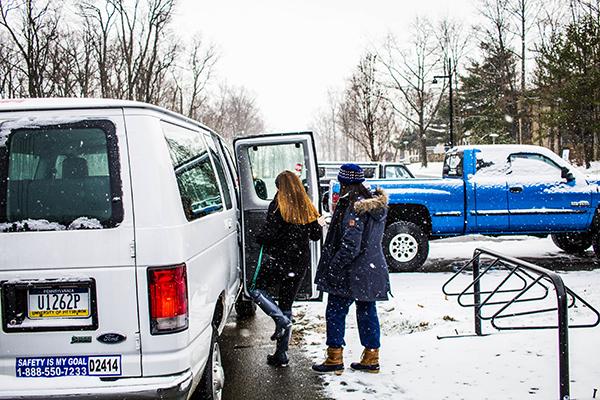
449,77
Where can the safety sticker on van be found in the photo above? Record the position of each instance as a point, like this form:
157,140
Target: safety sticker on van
54,367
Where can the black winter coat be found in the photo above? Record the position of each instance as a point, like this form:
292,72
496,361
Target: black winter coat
352,263
287,244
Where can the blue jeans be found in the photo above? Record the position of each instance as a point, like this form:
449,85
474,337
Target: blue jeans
366,316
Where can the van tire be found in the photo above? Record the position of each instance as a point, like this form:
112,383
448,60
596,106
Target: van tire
245,308
210,386
573,243
405,246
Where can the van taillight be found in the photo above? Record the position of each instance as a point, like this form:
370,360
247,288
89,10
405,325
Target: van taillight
167,292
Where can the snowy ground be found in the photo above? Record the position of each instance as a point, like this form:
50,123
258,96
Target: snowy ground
504,365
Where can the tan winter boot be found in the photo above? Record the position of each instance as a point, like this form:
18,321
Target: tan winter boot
369,361
334,362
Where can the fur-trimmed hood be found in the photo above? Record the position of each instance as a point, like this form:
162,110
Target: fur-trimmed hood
375,205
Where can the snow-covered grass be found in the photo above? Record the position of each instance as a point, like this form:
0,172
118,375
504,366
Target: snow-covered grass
462,247
416,364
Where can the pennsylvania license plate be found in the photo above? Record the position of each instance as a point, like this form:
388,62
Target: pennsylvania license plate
59,302
55,367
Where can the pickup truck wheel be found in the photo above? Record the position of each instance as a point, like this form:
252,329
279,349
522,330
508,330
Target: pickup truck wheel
596,244
245,308
213,377
573,243
405,246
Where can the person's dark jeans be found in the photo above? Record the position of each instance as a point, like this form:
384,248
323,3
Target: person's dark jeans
366,316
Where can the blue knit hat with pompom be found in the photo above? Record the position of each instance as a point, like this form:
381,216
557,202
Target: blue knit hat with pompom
351,173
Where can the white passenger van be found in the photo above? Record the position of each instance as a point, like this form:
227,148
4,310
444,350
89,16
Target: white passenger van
121,246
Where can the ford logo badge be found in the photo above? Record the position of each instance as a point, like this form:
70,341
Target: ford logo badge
111,338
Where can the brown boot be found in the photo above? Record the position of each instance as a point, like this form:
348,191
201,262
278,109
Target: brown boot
334,362
369,361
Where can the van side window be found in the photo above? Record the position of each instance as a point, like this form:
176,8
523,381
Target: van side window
232,167
57,177
215,154
198,186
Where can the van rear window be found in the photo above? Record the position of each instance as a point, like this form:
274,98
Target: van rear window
59,177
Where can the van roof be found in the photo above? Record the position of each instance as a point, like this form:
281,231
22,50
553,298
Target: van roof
65,103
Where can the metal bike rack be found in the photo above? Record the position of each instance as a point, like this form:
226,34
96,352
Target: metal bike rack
530,276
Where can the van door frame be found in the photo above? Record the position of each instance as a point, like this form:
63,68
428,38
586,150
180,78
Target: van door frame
244,175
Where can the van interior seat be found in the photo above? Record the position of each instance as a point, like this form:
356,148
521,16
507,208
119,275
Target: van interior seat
74,167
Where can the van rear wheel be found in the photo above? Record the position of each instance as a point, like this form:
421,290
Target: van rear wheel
405,246
244,308
213,377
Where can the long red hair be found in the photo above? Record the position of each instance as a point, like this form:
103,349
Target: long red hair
293,202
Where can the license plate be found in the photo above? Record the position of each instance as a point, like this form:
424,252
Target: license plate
58,302
55,367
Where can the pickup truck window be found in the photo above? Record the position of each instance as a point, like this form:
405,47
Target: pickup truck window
491,164
453,165
396,172
523,164
370,172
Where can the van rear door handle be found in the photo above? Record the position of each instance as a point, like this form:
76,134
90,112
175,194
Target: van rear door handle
516,189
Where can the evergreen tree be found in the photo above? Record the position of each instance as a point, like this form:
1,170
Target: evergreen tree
488,98
569,86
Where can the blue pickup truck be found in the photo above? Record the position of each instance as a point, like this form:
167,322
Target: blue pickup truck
491,190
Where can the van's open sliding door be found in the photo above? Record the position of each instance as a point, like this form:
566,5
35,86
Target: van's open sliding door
260,159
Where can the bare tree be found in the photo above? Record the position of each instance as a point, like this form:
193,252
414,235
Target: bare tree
526,14
12,80
143,46
454,40
115,48
202,62
410,73
368,117
32,26
331,143
98,24
233,113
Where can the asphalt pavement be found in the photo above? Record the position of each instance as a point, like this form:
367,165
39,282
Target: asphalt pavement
244,347
558,262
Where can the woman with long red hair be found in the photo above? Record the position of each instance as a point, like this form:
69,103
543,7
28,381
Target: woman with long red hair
292,221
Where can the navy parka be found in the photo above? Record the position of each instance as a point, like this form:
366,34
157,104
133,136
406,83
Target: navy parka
352,263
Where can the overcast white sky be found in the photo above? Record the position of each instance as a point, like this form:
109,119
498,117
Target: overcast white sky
289,53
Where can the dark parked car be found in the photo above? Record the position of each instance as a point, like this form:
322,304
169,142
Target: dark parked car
373,170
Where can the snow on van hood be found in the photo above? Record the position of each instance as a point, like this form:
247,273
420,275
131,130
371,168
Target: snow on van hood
8,126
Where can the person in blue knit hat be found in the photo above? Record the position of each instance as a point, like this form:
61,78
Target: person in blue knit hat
352,269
